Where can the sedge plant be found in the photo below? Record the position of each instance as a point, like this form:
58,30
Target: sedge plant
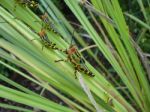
21,45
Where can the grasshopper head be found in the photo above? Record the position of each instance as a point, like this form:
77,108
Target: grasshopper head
72,49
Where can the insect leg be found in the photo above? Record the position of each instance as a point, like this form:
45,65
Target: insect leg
65,60
77,68
75,73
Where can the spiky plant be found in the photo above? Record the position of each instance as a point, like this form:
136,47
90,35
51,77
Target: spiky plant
110,34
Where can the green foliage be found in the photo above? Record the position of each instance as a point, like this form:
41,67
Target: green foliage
106,27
